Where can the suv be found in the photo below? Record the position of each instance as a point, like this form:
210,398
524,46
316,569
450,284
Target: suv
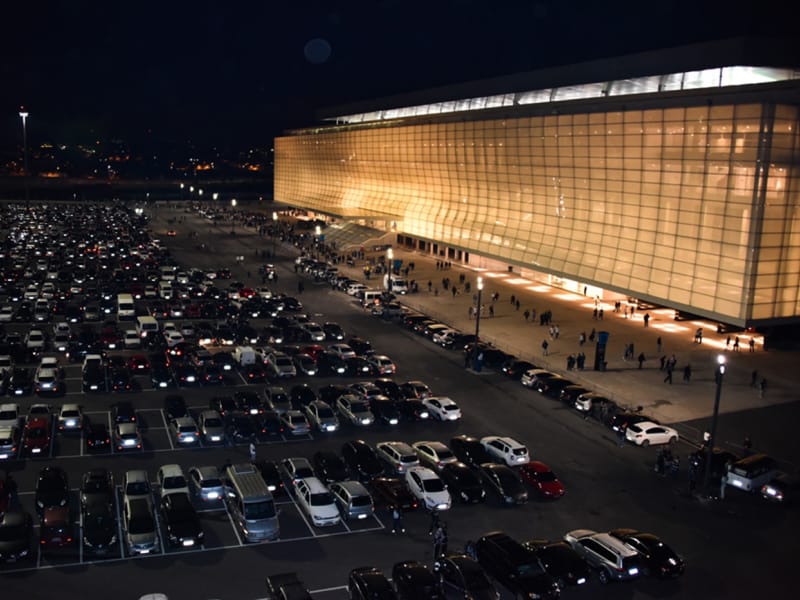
317,501
506,450
140,526
354,501
516,567
398,455
172,480
369,583
612,558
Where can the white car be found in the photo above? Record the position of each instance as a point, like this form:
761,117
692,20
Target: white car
46,381
442,408
314,332
343,350
645,433
426,486
35,340
184,431
6,314
9,415
317,501
321,416
131,339
444,336
506,450
174,338
70,418
434,454
352,289
172,480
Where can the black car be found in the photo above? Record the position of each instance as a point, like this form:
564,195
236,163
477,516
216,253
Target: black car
333,332
254,372
97,487
463,483
469,450
389,388
392,491
269,423
301,396
552,387
211,374
561,562
225,361
412,409
120,380
514,368
658,559
95,435
385,411
21,382
224,405
249,402
99,528
413,581
175,407
124,412
329,466
570,393
369,583
362,459
16,533
360,346
463,576
52,489
180,520
331,393
516,567
271,476
628,418
505,481
94,379
187,375
161,377
330,363
242,428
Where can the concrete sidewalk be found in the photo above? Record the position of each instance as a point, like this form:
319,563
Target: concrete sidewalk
623,381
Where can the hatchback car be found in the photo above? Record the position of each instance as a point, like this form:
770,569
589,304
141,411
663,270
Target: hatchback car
434,454
317,501
399,456
127,437
321,416
206,483
70,418
353,499
429,489
442,408
362,459
506,450
646,433
505,482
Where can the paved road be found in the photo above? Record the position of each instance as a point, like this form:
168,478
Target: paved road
734,549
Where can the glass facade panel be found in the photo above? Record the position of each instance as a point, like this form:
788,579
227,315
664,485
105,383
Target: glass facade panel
665,203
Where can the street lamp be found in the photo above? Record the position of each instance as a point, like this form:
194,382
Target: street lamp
24,116
390,259
233,216
718,375
191,189
274,231
477,323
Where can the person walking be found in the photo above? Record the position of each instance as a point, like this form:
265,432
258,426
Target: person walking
641,359
646,319
668,378
723,483
687,373
517,305
754,378
544,347
491,310
621,434
752,345
658,345
252,452
692,477
736,344
526,314
439,544
762,387
435,522
397,520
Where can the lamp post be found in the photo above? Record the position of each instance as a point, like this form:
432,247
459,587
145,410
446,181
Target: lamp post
24,116
274,230
390,260
477,323
233,216
720,372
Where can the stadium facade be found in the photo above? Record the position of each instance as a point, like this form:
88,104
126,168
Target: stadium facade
669,176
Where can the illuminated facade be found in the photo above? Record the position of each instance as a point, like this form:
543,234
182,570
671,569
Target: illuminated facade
685,197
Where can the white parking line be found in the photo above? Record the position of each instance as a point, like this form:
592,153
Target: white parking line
119,522
80,537
166,426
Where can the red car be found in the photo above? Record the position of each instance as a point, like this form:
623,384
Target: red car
193,311
36,437
313,351
138,363
111,338
539,476
56,529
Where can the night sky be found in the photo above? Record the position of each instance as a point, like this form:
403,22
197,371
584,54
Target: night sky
236,73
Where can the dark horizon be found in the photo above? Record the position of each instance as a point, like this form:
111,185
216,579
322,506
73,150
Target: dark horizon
231,76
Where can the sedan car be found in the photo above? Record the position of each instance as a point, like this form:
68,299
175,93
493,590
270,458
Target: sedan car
321,416
463,483
52,489
412,580
206,483
469,450
428,488
329,466
539,476
36,437
16,533
181,524
382,364
355,409
658,559
295,422
97,487
70,418
434,454
184,431
442,408
561,562
127,437
362,459
99,527
646,433
505,482
392,491
462,576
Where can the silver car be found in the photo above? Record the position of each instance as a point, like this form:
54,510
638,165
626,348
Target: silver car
353,499
321,416
295,422
206,483
212,427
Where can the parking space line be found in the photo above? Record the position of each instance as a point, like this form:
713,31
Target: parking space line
233,525
302,516
166,426
53,438
119,521
80,537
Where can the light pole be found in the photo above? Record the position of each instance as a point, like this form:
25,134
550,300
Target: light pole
274,230
24,116
233,216
477,323
390,260
720,372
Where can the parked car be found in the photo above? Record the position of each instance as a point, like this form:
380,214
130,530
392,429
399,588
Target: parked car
369,583
506,450
353,499
321,416
514,566
541,478
434,454
561,562
463,577
646,433
505,482
429,489
442,408
469,450
361,459
412,580
392,491
329,466
610,557
181,524
316,500
463,483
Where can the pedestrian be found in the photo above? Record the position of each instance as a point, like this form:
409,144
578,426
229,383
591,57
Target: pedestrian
621,434
556,331
435,522
397,520
594,314
752,345
570,362
252,452
600,314
736,344
687,373
646,319
728,343
753,378
668,378
513,298
470,310
762,387
658,344
533,315
582,338
467,354
723,483
592,335
516,305
439,544
455,291
430,286
747,444
641,359
581,360
11,488
491,310
663,360
300,287
544,347
526,314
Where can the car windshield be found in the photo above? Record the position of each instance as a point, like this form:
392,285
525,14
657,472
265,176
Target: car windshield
95,485
433,485
321,499
141,525
174,482
297,419
210,483
546,476
325,413
531,569
137,488
187,429
214,422
37,433
358,407
262,509
12,532
361,501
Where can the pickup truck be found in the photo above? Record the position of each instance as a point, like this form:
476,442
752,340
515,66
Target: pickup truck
286,586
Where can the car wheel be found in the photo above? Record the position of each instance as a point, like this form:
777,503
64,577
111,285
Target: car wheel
646,443
602,575
673,439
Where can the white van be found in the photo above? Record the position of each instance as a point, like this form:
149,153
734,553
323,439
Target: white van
168,272
165,289
244,355
250,503
146,326
395,284
126,310
370,297
750,473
